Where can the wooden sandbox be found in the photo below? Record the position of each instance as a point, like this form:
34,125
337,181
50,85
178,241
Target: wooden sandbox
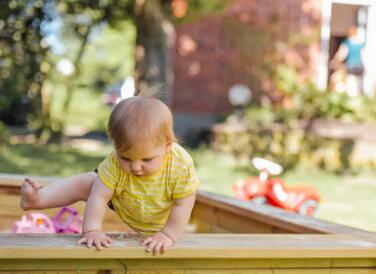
230,236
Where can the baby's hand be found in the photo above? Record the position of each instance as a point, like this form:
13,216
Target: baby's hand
96,238
159,242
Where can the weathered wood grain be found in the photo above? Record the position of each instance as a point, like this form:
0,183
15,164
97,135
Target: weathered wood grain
56,246
194,253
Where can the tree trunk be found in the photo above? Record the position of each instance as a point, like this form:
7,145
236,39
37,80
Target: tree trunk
155,38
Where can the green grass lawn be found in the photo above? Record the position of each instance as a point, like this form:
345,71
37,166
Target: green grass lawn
346,200
49,160
87,111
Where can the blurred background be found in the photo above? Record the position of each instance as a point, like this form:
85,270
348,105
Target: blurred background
244,79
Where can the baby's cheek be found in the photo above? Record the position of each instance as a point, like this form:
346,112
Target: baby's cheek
124,167
152,168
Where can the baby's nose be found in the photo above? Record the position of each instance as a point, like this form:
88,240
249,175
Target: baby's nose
136,166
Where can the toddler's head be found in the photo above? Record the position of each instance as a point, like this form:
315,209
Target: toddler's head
141,128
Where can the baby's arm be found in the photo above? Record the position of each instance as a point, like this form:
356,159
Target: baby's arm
174,227
179,217
94,214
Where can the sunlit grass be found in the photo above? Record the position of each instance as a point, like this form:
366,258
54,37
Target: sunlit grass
348,200
49,160
86,112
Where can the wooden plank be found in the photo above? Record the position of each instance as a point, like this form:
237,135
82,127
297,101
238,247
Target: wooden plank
47,272
241,225
226,220
281,271
213,271
353,271
202,271
61,264
249,263
52,272
325,271
162,263
206,227
52,246
274,217
230,271
161,271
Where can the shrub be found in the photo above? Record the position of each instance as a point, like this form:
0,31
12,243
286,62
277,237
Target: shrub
4,136
281,131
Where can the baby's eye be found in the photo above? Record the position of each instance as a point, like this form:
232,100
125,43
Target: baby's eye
147,160
124,158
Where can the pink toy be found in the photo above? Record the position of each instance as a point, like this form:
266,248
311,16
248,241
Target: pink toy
67,221
34,223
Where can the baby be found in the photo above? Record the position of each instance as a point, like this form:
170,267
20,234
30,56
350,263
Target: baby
148,180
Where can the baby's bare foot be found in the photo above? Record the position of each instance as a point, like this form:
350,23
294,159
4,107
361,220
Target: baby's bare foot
29,194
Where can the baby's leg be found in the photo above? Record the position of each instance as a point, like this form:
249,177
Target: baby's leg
59,193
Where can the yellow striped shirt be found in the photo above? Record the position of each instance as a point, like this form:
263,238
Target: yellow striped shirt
145,203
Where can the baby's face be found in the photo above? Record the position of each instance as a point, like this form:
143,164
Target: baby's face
143,159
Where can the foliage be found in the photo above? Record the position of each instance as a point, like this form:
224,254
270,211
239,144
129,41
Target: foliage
87,113
281,131
81,20
304,102
197,9
4,135
290,146
28,59
87,29
109,56
22,55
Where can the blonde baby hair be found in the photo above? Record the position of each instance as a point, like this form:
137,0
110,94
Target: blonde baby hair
142,118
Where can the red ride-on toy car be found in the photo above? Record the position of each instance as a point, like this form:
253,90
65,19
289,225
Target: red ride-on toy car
264,190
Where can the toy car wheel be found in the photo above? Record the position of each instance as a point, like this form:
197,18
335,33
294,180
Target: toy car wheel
309,208
261,200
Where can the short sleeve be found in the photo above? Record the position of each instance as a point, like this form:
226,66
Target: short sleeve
108,171
186,184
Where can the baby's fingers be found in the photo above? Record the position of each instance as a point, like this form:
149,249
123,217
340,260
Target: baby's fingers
106,243
89,243
82,241
146,241
151,246
98,244
109,240
163,247
157,248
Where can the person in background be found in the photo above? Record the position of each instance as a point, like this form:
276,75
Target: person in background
350,54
